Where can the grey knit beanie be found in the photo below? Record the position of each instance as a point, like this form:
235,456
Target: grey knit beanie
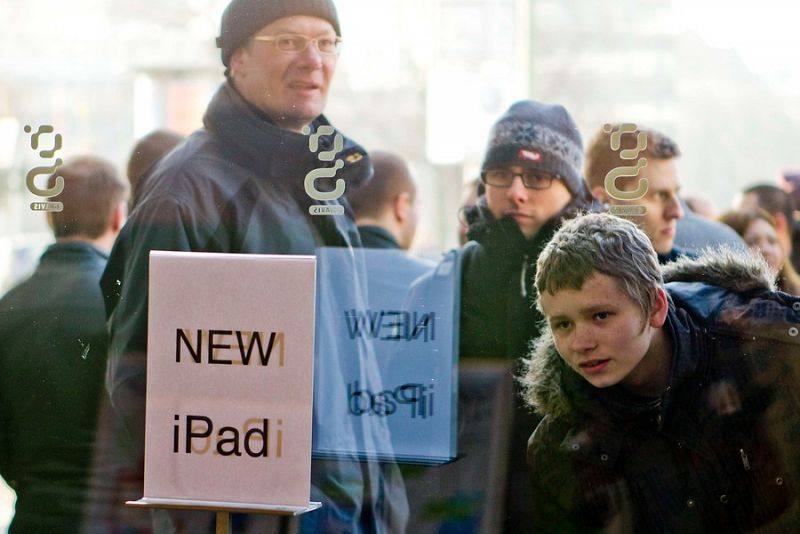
541,136
243,18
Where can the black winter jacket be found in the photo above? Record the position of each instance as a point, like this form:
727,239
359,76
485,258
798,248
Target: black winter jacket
718,452
52,361
498,319
236,186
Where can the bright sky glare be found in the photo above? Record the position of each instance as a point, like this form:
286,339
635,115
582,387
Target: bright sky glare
765,33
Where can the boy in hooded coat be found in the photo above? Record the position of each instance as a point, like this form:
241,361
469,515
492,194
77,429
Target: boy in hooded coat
668,407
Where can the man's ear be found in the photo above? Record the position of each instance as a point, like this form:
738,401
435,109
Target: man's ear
401,207
658,313
118,217
236,63
600,193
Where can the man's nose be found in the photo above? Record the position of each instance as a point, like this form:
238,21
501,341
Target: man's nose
517,190
311,56
583,339
673,209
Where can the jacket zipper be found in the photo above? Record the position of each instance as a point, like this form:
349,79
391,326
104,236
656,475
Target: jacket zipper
523,288
745,460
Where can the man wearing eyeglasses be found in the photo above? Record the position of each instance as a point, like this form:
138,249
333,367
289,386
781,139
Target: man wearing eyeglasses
531,175
237,186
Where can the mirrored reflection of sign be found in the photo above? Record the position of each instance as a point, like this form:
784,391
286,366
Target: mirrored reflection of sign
626,171
408,326
229,384
46,170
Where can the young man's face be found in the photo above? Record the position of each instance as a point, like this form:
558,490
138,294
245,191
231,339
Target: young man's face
290,87
530,208
601,334
661,202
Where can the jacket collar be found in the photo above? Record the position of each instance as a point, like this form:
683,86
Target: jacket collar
503,236
73,250
253,140
249,138
373,236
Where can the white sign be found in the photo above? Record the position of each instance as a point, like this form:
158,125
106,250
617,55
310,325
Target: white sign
229,381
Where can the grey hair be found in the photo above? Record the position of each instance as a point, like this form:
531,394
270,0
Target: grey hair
599,242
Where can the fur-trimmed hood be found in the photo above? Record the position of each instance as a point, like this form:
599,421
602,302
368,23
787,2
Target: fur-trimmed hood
734,273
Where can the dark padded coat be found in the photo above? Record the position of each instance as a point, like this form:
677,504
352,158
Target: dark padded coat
236,186
52,362
498,319
718,452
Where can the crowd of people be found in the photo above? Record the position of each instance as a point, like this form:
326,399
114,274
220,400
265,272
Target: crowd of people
656,347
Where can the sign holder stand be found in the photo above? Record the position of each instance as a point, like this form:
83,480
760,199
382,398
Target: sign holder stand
223,523
223,510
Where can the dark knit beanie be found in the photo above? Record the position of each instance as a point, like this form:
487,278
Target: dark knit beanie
541,136
242,18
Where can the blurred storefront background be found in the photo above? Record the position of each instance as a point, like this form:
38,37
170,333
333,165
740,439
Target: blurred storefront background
424,78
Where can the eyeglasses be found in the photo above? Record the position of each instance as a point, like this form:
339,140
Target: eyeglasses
530,179
291,42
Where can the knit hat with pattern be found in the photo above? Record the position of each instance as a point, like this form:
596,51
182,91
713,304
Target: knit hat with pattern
243,18
540,136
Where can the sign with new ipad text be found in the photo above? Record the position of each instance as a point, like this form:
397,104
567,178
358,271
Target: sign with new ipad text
229,379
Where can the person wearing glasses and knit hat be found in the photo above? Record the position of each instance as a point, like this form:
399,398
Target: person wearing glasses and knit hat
532,179
237,186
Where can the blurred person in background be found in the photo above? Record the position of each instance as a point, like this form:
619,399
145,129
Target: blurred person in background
672,230
469,196
145,153
237,186
531,174
660,201
700,205
759,230
53,346
789,181
781,206
695,233
386,208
